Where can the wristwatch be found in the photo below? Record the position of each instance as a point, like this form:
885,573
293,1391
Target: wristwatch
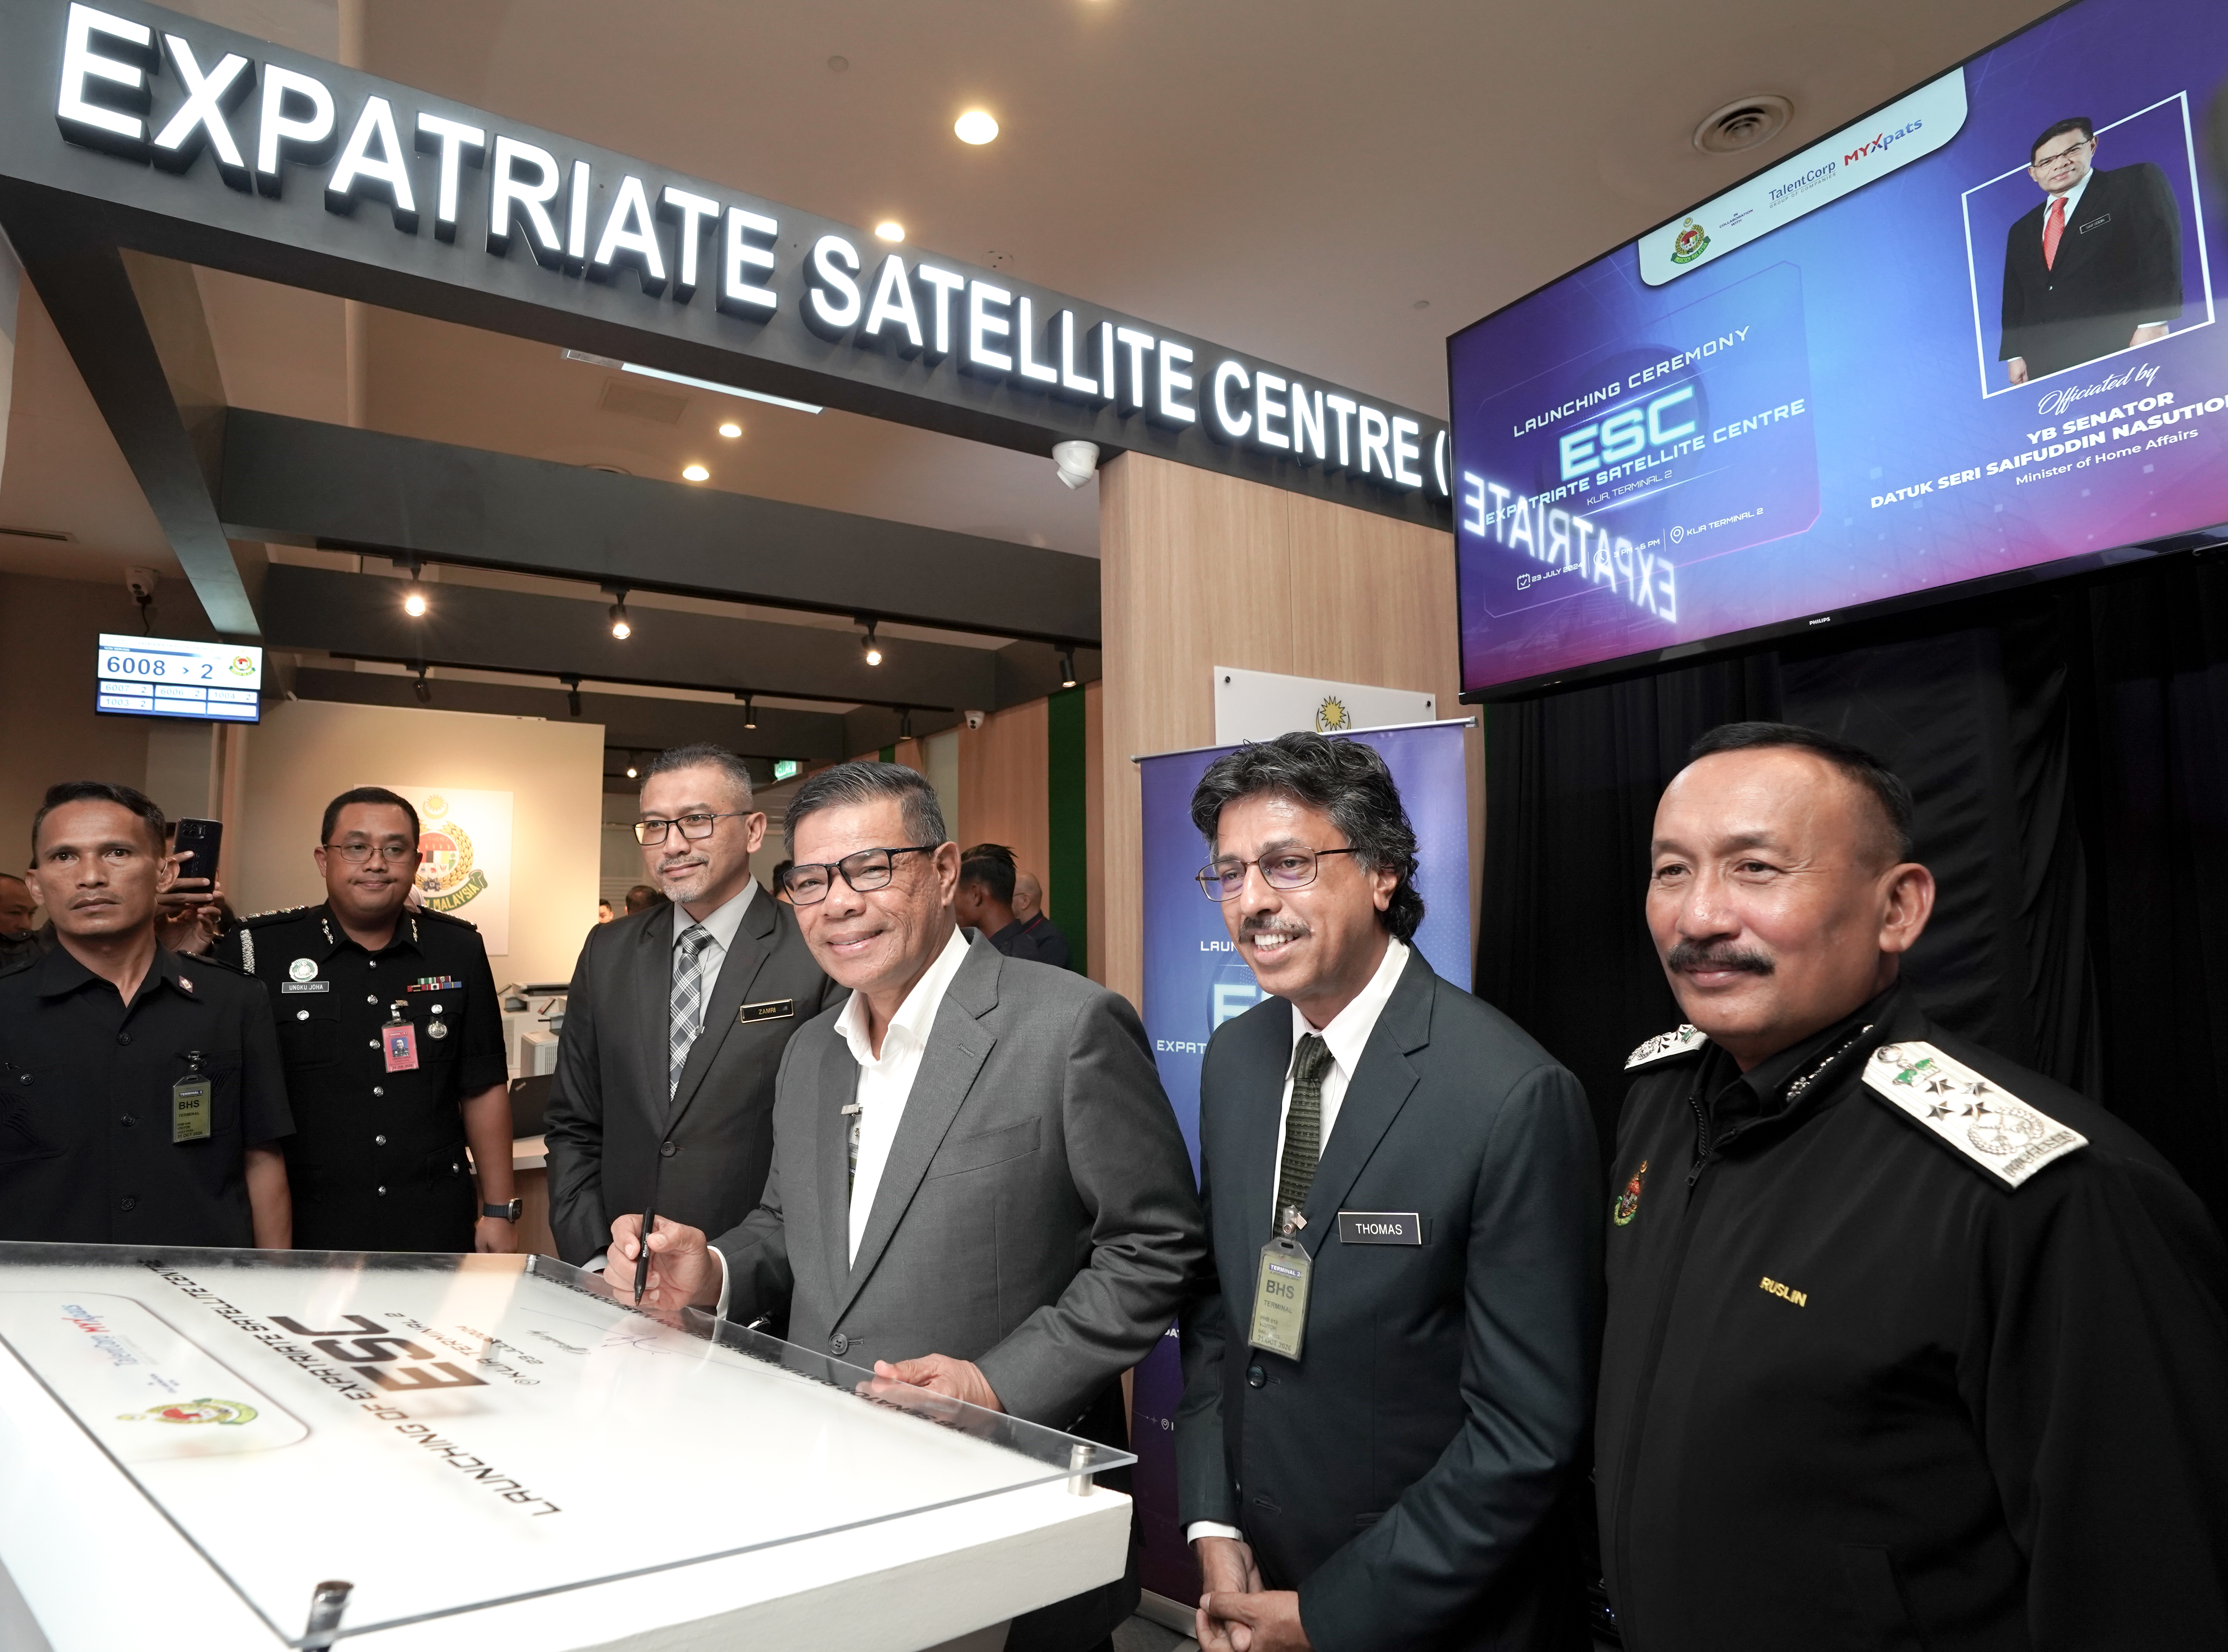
508,1213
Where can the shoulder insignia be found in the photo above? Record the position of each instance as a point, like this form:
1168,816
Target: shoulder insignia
276,915
1678,1042
1987,1124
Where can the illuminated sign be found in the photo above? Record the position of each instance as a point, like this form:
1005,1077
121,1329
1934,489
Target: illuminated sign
162,677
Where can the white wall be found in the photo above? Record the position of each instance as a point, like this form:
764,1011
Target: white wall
307,751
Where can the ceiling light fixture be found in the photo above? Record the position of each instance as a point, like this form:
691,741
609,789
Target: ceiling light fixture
868,646
905,722
731,429
976,126
890,230
622,627
424,695
618,366
750,714
695,473
630,772
1067,667
413,599
571,693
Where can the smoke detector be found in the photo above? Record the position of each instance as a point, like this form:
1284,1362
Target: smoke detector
1744,123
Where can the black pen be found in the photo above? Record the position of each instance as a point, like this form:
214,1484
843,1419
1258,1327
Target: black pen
642,1262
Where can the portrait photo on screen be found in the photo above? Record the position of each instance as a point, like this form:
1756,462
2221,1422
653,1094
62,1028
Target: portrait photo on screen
2122,263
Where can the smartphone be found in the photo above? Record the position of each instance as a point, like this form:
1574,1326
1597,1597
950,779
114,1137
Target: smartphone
196,847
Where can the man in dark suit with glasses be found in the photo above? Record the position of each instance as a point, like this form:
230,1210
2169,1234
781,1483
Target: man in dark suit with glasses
677,1021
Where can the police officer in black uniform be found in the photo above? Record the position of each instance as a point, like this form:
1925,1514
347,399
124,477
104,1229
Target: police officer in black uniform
392,1040
1906,1346
141,1100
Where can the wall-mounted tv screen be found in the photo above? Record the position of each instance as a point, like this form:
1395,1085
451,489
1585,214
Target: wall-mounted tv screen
162,677
1970,338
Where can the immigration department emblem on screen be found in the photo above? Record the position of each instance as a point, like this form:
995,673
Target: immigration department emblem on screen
1691,243
446,877
225,1414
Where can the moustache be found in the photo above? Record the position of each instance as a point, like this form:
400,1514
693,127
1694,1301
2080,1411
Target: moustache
1270,926
1690,956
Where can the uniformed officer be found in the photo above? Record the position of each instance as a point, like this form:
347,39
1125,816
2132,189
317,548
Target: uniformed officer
141,1100
1905,1347
392,1040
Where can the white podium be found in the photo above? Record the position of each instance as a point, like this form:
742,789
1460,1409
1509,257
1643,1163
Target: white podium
490,1451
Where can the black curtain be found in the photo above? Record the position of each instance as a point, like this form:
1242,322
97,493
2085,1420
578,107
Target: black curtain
2030,728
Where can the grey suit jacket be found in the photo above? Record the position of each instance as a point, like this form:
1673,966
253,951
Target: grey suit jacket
618,1140
1036,1215
1404,1474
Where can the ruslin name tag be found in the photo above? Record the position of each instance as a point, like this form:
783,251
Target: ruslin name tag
772,1009
1380,1227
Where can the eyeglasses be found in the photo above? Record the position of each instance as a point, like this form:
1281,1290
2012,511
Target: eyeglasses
2044,163
357,854
695,827
1292,868
866,871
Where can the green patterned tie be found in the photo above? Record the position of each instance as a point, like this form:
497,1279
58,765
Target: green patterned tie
1302,1132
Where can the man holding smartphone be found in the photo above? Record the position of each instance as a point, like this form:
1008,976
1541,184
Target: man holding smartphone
391,1038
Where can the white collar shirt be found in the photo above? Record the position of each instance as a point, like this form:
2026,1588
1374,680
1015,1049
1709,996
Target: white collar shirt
886,1081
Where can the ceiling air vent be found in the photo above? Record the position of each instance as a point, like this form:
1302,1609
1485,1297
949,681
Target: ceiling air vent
1744,125
61,536
620,397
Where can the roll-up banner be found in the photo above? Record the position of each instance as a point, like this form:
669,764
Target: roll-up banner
1195,981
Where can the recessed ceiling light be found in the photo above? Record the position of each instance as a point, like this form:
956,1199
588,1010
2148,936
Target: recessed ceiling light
1421,303
839,63
731,429
976,126
695,473
890,229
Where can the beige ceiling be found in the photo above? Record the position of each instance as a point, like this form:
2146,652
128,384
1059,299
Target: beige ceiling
1333,186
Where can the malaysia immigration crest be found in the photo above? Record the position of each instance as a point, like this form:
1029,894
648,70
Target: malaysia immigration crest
463,843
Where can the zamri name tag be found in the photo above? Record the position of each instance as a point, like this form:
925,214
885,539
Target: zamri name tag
1380,1227
772,1009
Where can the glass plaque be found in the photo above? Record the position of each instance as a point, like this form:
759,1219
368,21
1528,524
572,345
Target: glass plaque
445,1432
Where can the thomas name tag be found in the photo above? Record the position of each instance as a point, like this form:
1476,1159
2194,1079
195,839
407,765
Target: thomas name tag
305,986
1380,1227
772,1009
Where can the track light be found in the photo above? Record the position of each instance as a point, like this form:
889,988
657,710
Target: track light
413,597
622,627
869,647
749,714
571,693
423,693
905,722
632,773
1068,668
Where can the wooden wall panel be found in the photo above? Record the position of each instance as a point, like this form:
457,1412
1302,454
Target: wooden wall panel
1094,823
1199,569
1004,785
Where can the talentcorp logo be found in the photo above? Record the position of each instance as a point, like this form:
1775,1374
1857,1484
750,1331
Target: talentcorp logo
1332,717
1810,180
1691,244
224,1413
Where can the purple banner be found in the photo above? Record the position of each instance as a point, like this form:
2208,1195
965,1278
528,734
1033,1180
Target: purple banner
1195,981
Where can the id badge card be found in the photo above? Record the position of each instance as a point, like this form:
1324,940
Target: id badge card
398,1040
1280,1298
190,1108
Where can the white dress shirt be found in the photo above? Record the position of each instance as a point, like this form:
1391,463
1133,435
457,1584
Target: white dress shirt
884,1083
886,1080
1346,1036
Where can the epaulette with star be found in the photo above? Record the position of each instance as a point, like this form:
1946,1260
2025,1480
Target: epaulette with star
276,915
1679,1040
2003,1134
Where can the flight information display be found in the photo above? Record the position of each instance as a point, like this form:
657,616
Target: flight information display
1970,336
164,676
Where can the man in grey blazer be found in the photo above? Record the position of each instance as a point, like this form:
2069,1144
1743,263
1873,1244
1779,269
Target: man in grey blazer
676,1021
978,1185
1388,1372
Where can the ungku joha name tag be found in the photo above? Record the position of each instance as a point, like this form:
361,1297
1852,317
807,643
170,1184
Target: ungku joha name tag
1280,1298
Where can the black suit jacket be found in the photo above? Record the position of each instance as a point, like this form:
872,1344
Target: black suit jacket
2119,267
1404,1474
616,1141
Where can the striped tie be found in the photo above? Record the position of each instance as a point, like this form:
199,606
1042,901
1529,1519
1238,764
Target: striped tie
688,1003
1302,1132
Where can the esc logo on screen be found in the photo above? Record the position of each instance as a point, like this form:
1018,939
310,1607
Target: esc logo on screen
1691,244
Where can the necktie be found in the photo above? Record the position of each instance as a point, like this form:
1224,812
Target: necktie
1303,1131
688,1017
2052,227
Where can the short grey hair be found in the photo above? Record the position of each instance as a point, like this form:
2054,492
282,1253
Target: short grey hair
850,786
704,756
